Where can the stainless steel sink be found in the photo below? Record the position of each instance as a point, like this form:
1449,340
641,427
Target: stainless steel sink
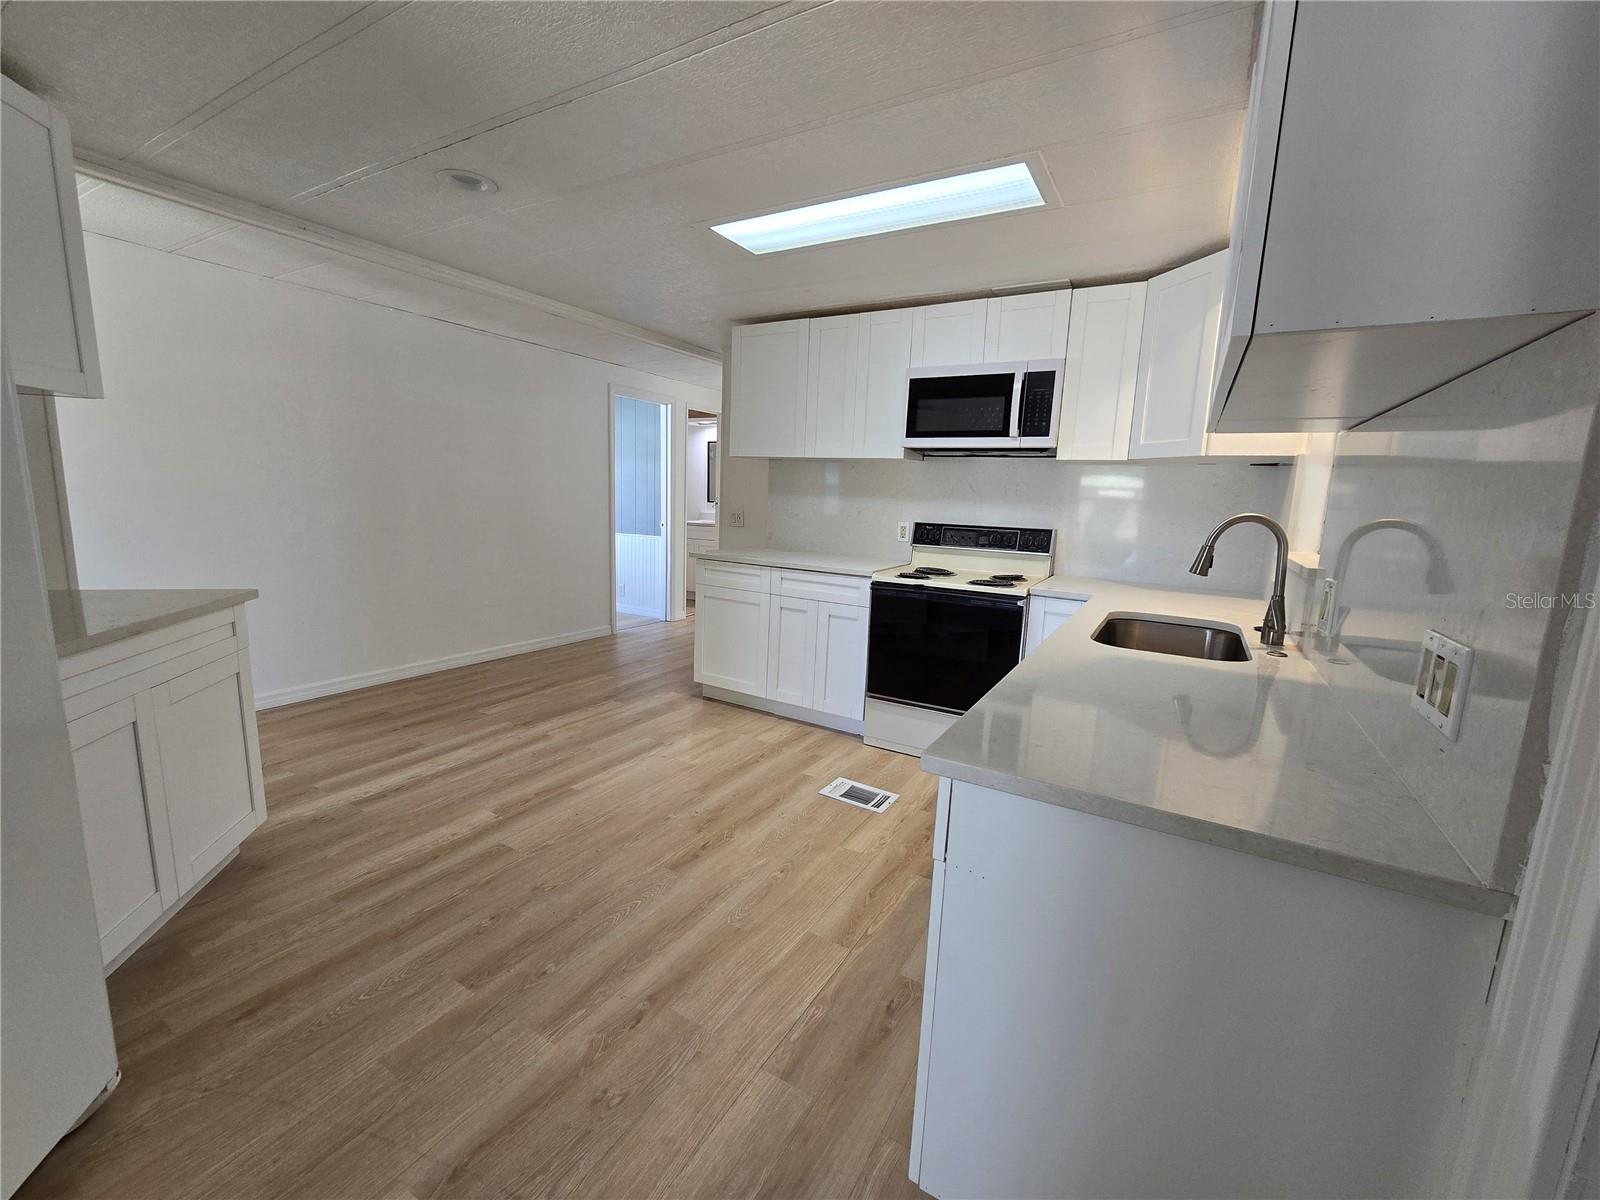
1172,637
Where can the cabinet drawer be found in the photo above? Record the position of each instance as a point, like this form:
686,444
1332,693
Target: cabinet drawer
814,585
741,577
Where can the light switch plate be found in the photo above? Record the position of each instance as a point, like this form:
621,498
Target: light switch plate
1440,690
736,518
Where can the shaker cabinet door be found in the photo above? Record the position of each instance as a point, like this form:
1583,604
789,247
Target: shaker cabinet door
205,761
48,321
949,335
770,364
792,651
1177,357
832,428
839,683
883,356
730,639
1028,326
1102,369
117,760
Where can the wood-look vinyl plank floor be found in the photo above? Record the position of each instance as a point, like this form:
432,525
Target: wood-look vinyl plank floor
551,926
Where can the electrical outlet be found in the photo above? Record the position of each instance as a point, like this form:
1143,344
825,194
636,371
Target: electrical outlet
1440,692
903,531
736,518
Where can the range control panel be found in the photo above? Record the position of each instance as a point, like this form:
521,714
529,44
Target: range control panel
983,537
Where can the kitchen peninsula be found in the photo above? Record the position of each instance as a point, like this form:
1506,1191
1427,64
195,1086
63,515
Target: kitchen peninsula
1196,878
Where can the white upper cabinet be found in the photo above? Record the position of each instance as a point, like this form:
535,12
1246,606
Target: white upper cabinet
1027,327
1416,198
1101,371
48,322
884,355
949,335
828,387
1177,353
770,364
833,429
1003,329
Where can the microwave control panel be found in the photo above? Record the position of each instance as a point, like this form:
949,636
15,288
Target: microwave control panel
1038,398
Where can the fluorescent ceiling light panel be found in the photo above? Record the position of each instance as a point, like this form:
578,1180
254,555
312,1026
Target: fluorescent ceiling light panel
932,202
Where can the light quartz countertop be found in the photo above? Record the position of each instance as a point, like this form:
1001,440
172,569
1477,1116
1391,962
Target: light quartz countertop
1258,756
86,619
801,560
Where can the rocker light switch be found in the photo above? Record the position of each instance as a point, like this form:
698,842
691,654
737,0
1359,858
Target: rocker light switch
1440,692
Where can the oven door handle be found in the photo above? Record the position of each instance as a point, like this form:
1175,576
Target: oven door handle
927,592
1017,379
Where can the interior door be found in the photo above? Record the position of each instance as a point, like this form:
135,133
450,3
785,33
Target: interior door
641,439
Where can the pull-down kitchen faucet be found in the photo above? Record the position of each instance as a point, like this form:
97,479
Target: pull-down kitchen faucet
1274,624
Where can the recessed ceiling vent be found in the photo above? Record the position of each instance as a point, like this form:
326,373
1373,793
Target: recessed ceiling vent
467,181
860,794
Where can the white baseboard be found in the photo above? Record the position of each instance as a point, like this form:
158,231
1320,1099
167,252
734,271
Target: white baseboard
632,610
777,708
366,679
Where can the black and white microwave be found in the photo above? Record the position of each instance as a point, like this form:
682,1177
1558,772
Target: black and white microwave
992,408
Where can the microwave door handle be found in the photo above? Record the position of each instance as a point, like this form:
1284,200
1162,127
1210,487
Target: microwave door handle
1016,405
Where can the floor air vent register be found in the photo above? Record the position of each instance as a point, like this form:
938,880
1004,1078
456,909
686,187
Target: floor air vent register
860,795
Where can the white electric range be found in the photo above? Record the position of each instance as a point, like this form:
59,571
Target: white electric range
947,626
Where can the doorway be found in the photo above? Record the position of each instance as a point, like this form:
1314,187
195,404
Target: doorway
641,462
700,493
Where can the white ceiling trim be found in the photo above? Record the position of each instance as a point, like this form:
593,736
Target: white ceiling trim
246,213
1222,9
667,58
357,21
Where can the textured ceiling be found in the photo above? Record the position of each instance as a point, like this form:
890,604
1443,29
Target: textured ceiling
618,131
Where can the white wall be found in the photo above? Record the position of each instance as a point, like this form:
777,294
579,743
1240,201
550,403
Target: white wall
695,469
1494,481
1138,523
402,491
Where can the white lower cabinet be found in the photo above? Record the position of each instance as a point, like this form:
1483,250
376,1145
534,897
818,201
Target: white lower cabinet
730,638
1115,1011
1046,614
788,641
205,759
163,734
122,795
840,684
792,651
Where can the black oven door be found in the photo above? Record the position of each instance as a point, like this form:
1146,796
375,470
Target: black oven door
939,649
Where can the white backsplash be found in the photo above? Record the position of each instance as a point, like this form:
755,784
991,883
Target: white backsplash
1474,505
1137,523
